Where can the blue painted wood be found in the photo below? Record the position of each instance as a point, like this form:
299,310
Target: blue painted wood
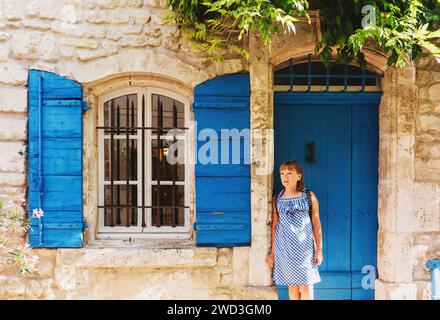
362,294
226,102
333,294
209,119
223,182
364,224
337,188
63,121
55,160
233,85
61,156
332,280
344,128
328,97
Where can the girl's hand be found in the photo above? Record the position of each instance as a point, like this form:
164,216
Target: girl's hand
269,259
318,257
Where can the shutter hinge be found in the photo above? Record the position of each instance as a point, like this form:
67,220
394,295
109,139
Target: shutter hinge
53,225
195,226
85,105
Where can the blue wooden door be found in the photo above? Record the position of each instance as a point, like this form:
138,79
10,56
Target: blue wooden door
342,130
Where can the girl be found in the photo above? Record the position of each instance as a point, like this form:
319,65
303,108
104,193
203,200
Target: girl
296,250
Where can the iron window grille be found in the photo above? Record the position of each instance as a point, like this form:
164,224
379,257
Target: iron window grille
308,75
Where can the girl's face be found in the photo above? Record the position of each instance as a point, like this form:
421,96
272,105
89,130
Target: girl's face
289,177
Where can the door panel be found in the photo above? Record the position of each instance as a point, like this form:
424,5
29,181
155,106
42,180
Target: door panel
364,193
338,188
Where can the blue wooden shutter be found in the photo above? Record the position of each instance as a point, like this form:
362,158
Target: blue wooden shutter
223,210
55,160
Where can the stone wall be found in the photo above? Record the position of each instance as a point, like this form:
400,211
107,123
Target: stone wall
409,201
427,171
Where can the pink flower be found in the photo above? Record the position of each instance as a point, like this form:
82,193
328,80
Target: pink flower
37,213
35,259
23,246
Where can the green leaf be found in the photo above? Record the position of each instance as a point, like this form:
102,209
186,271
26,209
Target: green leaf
434,34
390,43
402,26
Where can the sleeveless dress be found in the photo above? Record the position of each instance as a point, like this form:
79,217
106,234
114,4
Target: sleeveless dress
294,246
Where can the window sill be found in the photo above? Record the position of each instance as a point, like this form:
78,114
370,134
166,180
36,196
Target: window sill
142,254
142,243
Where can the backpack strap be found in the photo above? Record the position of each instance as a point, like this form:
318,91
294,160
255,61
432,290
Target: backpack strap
309,201
276,196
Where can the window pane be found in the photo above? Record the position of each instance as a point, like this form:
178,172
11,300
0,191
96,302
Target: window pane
123,159
120,197
168,119
167,171
122,113
168,216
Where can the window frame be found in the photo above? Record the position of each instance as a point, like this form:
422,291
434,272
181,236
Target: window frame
150,231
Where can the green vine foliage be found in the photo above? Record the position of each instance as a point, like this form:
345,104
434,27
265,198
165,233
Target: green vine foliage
399,28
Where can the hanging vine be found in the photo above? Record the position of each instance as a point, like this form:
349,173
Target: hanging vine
399,28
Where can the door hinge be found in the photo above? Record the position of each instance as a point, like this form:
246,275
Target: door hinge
85,105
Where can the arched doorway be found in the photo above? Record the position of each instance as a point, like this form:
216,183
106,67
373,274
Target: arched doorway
327,118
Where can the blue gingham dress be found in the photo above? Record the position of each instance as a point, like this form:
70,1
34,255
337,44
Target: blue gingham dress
294,246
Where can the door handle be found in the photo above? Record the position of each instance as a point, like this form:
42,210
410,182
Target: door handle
310,157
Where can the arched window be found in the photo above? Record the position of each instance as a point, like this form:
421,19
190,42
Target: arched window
142,134
309,74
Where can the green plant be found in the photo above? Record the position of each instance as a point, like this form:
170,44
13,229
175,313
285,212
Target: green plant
401,29
13,223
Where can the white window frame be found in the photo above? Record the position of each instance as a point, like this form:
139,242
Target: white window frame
150,231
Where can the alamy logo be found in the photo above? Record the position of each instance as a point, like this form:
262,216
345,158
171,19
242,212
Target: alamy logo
369,278
369,19
224,146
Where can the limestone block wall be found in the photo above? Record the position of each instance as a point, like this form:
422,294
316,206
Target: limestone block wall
427,171
409,209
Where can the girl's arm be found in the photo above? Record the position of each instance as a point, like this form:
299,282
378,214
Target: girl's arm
317,231
274,223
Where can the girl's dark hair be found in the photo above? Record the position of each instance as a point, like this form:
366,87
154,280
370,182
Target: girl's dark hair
294,165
